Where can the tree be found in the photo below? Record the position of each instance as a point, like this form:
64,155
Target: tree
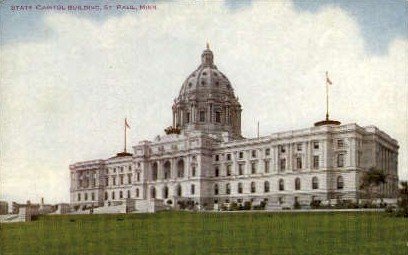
403,199
371,180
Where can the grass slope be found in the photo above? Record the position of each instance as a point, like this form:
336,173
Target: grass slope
209,233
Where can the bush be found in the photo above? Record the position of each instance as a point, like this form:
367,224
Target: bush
247,205
315,204
233,206
296,205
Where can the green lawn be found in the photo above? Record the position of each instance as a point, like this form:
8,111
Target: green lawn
209,233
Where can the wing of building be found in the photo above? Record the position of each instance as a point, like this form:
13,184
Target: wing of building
203,158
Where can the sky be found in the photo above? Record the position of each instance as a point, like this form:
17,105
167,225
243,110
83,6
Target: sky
68,79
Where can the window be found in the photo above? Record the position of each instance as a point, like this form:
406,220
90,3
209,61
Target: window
121,179
179,191
241,169
315,183
340,160
121,169
299,147
228,189
202,116
218,117
113,195
106,195
193,171
340,143
192,189
315,162
215,189
138,176
137,192
281,185
217,172
267,152
154,171
253,153
187,117
253,187
129,178
86,196
217,157
241,154
239,188
266,187
113,180
297,184
228,170
180,169
299,163
79,197
266,166
282,149
282,164
315,145
93,196
253,167
340,182
166,192
167,167
128,194
130,168
120,194
152,192
107,181
229,156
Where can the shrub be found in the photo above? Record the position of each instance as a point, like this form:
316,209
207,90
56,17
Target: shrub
296,205
315,204
247,205
233,206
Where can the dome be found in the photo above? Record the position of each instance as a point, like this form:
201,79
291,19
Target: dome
206,102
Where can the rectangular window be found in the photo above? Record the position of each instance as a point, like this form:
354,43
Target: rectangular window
217,157
202,116
340,143
266,166
241,169
121,179
187,117
299,147
253,167
315,162
282,164
340,160
228,156
114,180
93,196
193,171
217,172
138,177
241,154
282,149
218,117
228,170
129,178
267,152
254,153
79,197
315,145
299,163
192,189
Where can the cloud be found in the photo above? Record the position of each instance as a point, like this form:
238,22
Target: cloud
64,99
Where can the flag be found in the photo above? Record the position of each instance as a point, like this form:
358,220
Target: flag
328,81
126,123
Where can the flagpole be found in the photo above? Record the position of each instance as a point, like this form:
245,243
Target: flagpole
327,97
125,135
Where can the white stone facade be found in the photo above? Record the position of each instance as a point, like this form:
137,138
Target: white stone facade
208,161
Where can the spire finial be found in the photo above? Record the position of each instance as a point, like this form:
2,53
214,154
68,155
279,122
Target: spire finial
208,46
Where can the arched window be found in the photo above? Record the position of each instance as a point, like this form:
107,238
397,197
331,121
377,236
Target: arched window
113,195
215,189
315,183
137,192
154,171
121,194
152,192
239,188
297,184
180,169
192,191
106,195
340,182
266,187
253,187
281,184
179,191
165,192
167,168
128,194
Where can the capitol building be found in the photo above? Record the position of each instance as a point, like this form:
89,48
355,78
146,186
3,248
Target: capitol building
203,158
